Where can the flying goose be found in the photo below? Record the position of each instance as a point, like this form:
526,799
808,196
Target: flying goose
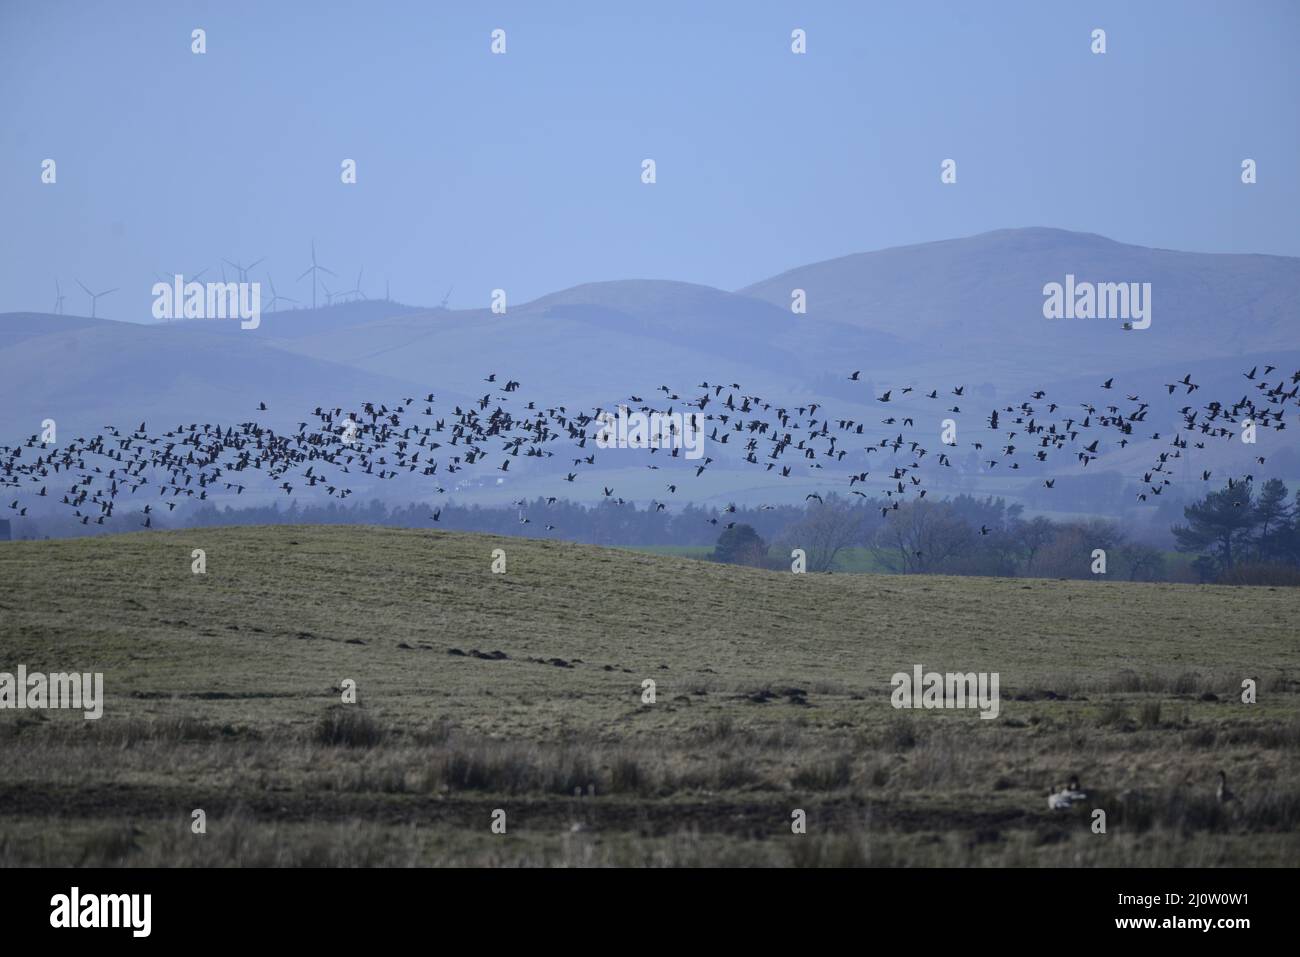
299,459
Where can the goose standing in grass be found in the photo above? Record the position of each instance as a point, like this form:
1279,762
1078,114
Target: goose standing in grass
1221,790
1063,796
576,826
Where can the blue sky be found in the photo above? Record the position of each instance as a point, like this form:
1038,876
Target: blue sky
522,171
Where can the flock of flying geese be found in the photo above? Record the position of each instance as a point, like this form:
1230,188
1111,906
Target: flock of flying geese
332,446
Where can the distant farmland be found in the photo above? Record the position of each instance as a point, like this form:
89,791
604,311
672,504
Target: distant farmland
479,691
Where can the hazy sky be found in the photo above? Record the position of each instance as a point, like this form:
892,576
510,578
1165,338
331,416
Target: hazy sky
522,171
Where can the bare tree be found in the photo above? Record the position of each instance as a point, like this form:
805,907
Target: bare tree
921,536
1146,563
1032,535
1069,552
826,529
1067,555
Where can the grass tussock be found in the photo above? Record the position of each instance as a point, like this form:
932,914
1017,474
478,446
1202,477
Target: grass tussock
350,727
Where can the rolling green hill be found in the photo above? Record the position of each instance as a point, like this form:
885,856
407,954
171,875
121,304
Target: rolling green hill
480,691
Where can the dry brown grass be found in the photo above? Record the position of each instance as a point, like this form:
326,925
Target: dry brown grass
223,693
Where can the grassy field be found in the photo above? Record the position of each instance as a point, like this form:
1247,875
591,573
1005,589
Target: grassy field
479,691
857,559
854,559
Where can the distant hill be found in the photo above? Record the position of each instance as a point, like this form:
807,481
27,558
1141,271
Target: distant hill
87,373
977,302
295,322
601,342
16,327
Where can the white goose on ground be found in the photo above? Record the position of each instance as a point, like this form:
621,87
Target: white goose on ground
1062,797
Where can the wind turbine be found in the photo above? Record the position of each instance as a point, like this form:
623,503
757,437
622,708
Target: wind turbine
243,271
446,298
188,278
172,278
329,296
356,293
314,268
94,296
274,297
58,299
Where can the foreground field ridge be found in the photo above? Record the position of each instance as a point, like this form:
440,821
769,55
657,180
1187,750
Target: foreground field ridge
479,691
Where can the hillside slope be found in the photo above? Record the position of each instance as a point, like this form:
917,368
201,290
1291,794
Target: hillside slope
86,373
478,691
266,586
980,298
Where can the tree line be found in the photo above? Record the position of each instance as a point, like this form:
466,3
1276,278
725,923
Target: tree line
1235,535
